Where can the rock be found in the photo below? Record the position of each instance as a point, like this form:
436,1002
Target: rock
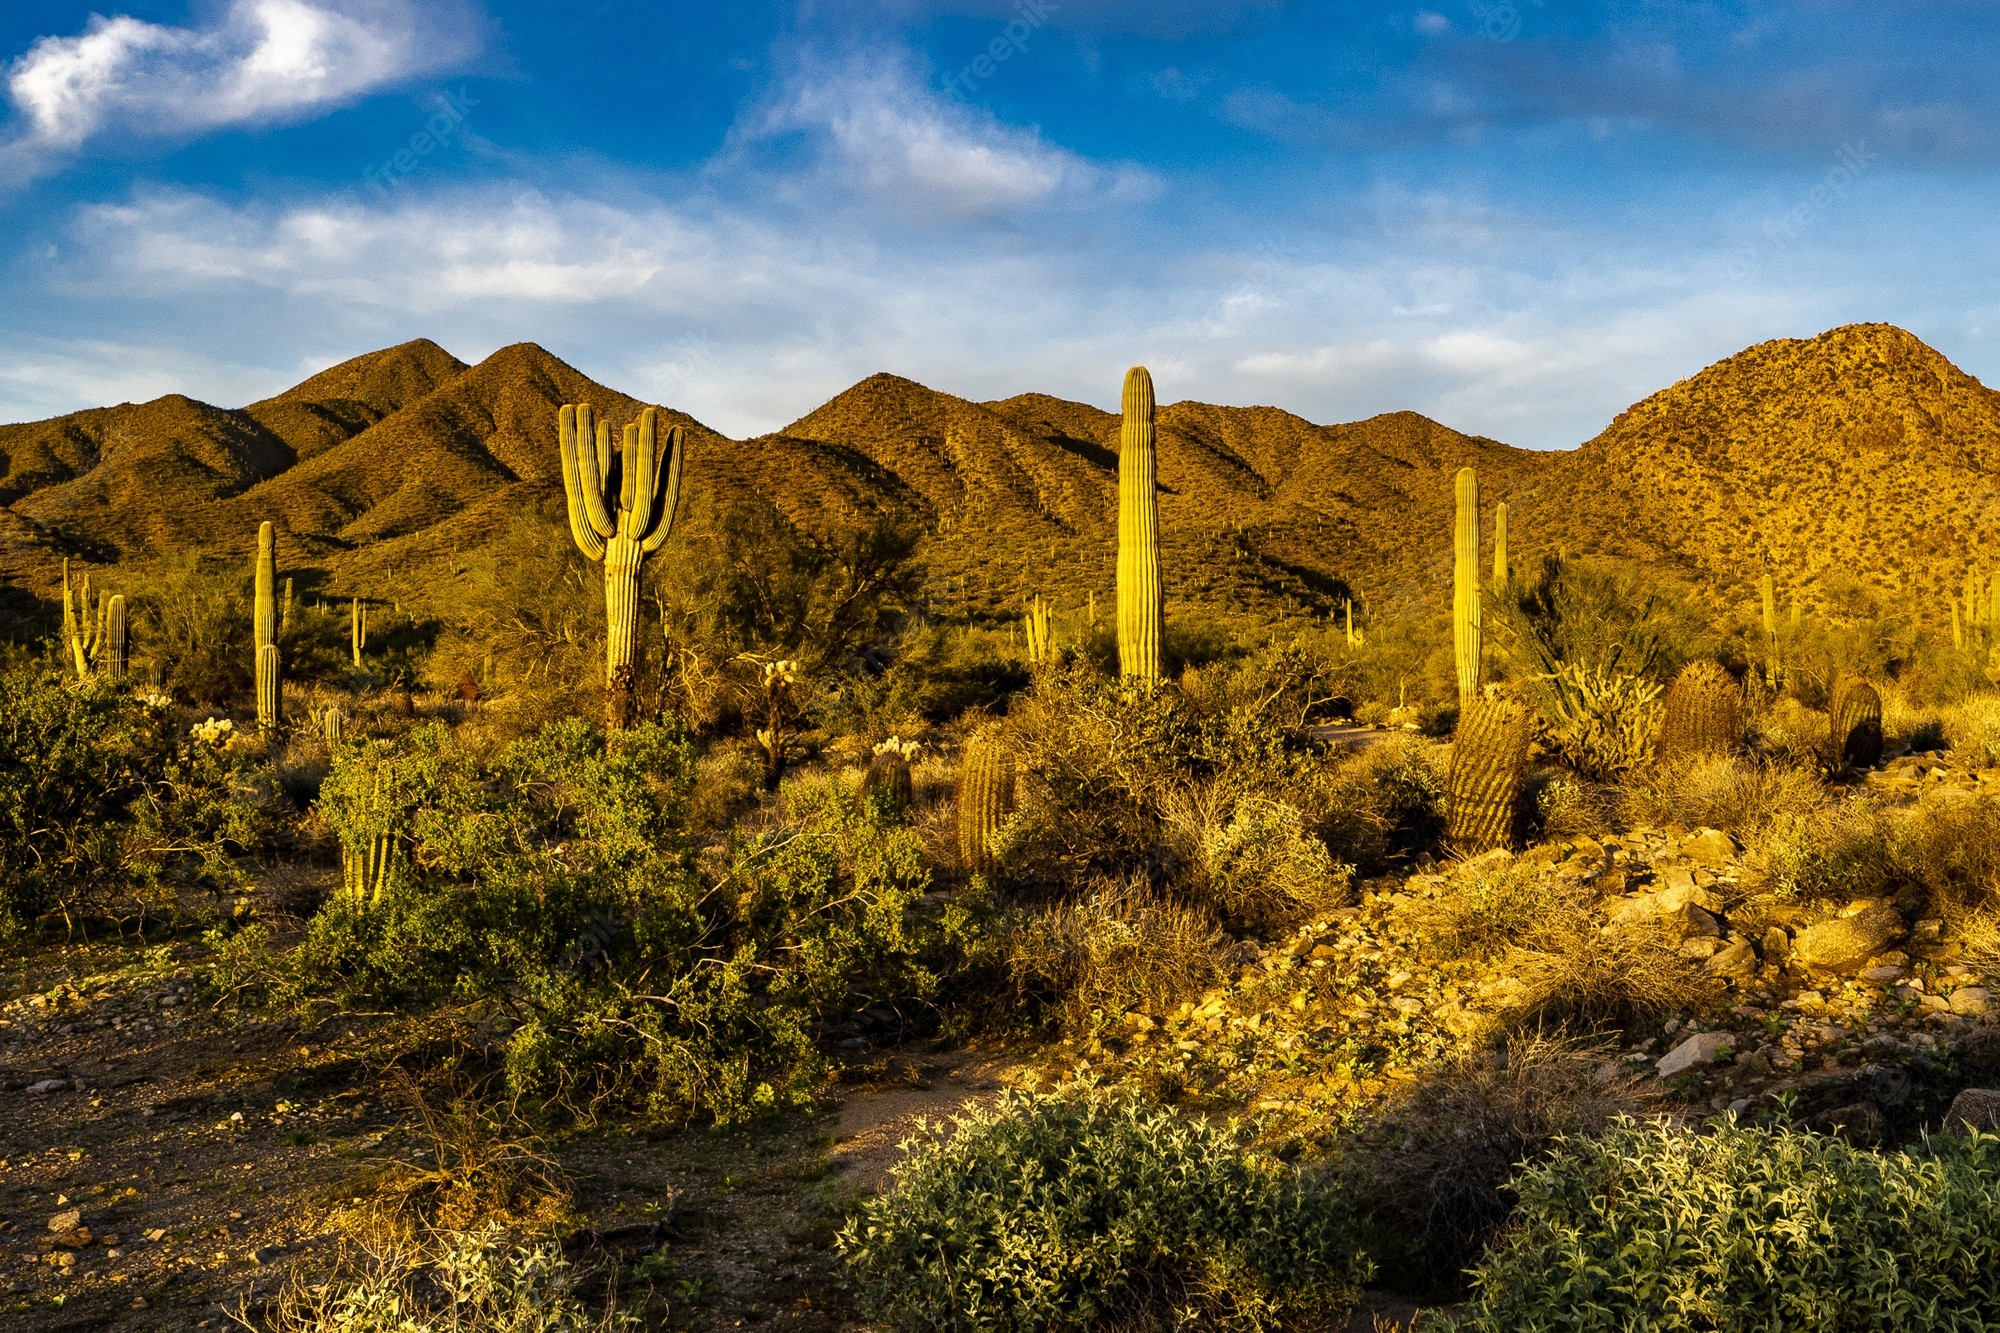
1709,847
1677,881
49,1085
1777,945
1884,975
1928,931
1884,1085
1736,960
1700,948
264,1254
1975,1108
1972,1001
66,1221
1694,922
1847,942
1861,1121
1698,1051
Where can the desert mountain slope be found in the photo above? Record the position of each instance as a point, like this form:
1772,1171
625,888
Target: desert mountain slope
1859,464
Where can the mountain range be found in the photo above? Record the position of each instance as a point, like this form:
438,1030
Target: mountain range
1857,466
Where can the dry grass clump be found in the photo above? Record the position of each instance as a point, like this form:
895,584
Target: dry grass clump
1545,935
1119,948
1791,731
1434,1184
1745,797
1972,728
479,1281
1253,859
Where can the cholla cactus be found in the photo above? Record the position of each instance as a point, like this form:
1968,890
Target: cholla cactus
985,799
774,735
270,697
1041,638
620,527
215,731
1466,615
1141,618
1489,763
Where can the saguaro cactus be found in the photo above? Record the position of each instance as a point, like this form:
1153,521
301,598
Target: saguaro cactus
1465,602
1500,570
1489,764
985,798
621,510
1141,620
117,643
366,867
1041,636
1854,722
264,614
357,629
1702,713
85,624
1770,592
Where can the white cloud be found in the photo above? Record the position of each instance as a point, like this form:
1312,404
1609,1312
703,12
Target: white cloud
881,133
262,60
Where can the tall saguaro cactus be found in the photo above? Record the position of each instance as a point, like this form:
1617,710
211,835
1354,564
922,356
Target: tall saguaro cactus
1500,570
116,640
621,510
1465,602
1769,590
270,699
86,624
357,630
1141,620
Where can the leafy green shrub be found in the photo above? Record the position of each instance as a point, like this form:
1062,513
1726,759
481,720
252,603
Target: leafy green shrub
1082,1209
559,878
104,809
1654,1227
1267,871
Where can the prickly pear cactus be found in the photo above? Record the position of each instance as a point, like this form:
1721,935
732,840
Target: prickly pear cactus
1854,723
1141,619
1702,713
1489,765
985,799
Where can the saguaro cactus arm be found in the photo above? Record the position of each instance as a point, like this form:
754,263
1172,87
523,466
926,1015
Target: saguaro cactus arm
583,483
661,521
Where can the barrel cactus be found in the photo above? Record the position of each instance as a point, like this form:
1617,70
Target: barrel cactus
1465,603
264,615
1489,765
1141,619
1702,714
621,509
889,772
1854,722
985,799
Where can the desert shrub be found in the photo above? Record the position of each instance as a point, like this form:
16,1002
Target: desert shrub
1084,1210
459,1282
560,879
1745,797
1563,964
1434,1188
1265,870
106,809
1972,728
1562,806
1650,1226
1601,617
1116,948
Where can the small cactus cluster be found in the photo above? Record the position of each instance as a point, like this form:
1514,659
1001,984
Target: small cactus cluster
1141,617
1489,765
985,799
94,630
1854,723
622,500
1702,713
1041,635
270,684
365,870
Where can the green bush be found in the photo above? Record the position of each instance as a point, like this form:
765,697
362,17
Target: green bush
559,879
106,810
1654,1227
1083,1210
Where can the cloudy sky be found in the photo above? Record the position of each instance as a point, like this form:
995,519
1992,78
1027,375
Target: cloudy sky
1517,217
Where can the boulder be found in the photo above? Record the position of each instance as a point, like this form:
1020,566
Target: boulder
1736,961
1846,943
1972,1001
1975,1108
1709,847
1697,1052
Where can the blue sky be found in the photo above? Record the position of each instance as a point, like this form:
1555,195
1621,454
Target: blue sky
1517,216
